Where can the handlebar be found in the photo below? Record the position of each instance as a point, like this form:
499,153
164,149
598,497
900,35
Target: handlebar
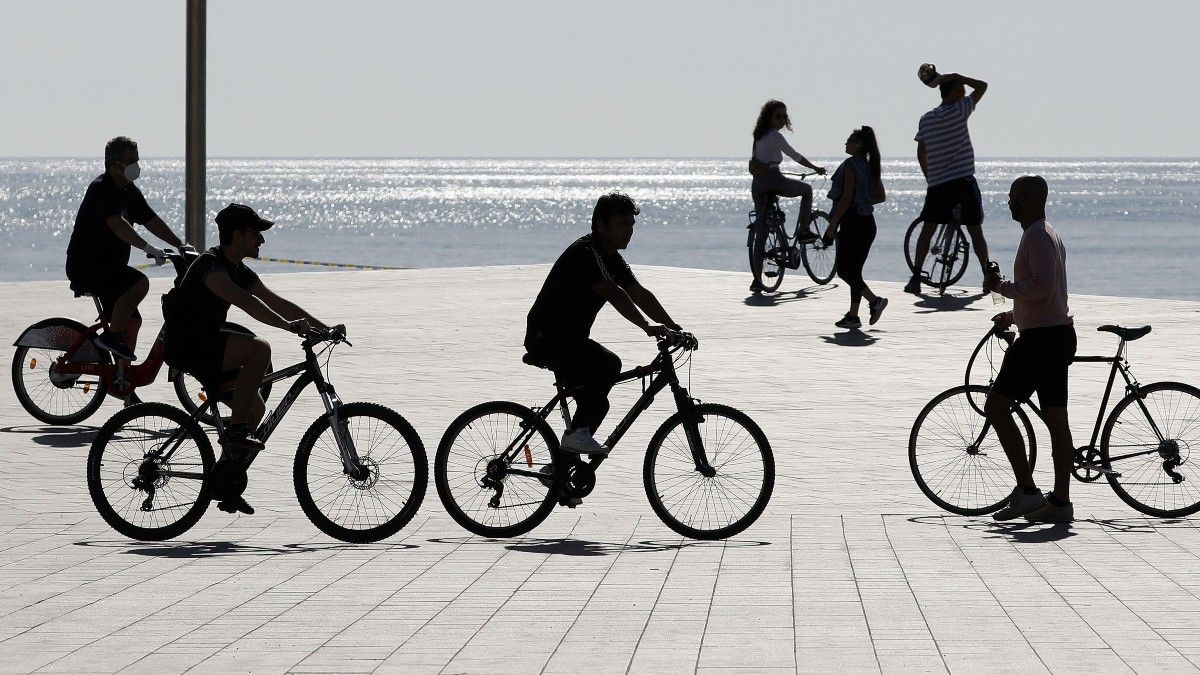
678,339
1003,333
335,334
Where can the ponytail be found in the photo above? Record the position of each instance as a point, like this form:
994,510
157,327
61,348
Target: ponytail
874,162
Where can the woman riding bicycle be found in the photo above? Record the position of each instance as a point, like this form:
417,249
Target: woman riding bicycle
769,148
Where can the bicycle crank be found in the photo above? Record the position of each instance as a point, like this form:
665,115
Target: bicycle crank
1087,467
580,480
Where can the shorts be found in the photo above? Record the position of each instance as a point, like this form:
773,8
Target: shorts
1038,361
106,284
941,199
201,355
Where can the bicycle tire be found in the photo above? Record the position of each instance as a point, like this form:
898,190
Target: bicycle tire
962,255
774,246
674,446
492,427
989,480
1148,472
910,245
190,392
69,400
111,470
985,376
937,277
820,260
384,517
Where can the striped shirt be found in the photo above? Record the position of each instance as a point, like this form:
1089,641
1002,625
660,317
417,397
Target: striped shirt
948,151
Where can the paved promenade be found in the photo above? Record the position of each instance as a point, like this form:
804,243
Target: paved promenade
851,569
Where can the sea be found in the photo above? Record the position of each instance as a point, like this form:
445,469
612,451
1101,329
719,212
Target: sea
1131,226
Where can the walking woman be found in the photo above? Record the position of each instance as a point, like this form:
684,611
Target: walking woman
769,148
856,187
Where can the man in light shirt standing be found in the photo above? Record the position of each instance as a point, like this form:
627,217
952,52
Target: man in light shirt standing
1039,358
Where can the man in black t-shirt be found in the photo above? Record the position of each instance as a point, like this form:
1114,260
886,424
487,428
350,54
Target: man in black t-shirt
588,274
195,314
98,254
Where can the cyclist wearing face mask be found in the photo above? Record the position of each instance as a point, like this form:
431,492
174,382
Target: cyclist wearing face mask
98,254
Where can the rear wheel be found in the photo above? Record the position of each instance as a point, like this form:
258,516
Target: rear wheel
46,393
956,457
146,469
946,262
383,495
709,506
819,258
1148,443
482,490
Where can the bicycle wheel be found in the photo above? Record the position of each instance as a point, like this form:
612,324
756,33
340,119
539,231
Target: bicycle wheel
372,506
775,251
819,257
146,469
480,490
984,365
1152,470
50,396
910,244
955,463
954,257
709,507
191,393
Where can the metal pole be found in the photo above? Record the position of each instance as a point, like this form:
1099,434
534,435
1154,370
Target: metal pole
195,154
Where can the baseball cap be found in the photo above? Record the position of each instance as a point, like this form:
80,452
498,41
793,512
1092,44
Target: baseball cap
239,217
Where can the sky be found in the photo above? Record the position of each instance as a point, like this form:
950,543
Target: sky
617,78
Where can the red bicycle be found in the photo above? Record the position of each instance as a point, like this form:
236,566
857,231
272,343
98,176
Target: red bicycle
61,377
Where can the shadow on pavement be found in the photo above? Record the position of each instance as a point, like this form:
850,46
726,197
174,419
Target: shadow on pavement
212,549
773,299
56,437
585,548
1019,531
851,338
953,301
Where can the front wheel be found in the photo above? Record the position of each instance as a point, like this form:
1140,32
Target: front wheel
47,393
820,258
494,469
1147,445
146,469
774,252
956,457
377,499
724,495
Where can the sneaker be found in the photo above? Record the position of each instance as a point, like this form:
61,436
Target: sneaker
1019,503
914,285
238,436
877,309
581,442
756,287
849,321
235,505
806,236
1052,513
113,343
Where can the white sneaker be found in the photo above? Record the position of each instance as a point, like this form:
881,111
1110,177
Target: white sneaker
581,442
1019,504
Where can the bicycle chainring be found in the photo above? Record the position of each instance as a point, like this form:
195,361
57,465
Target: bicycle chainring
1087,465
580,480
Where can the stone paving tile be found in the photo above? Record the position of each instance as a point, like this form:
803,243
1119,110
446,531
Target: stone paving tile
850,569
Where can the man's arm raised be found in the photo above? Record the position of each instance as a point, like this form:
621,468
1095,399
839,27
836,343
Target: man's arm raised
978,87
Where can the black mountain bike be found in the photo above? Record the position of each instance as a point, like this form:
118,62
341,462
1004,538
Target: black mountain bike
949,252
781,253
1144,446
360,470
708,471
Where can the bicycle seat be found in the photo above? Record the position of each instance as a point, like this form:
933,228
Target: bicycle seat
536,360
1127,334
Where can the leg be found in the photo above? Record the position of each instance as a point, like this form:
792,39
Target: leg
998,410
758,231
979,244
126,306
249,356
1063,448
593,368
972,216
854,244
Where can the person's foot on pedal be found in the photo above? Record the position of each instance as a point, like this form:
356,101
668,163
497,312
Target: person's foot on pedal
806,236
114,344
877,308
239,436
914,285
1054,511
235,505
132,399
848,321
1019,503
581,442
756,287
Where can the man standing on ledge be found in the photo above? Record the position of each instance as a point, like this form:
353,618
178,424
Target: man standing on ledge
947,159
98,254
588,274
1039,358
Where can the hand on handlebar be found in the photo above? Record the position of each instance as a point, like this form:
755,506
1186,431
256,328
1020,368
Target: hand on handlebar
1002,321
820,170
159,255
300,327
657,330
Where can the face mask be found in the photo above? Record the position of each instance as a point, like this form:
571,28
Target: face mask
132,171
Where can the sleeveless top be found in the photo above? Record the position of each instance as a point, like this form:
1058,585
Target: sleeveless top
864,198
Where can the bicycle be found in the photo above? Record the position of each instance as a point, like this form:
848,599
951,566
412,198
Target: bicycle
60,376
708,470
149,466
949,251
781,253
1144,447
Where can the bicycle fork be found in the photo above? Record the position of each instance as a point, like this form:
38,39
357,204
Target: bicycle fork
352,465
691,430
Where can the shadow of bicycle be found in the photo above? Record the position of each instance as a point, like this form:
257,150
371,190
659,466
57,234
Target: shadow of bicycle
56,437
1019,531
585,548
216,549
954,300
774,299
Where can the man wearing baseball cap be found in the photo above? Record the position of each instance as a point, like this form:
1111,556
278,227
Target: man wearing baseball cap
197,343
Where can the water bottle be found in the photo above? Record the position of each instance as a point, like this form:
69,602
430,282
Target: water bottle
994,269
